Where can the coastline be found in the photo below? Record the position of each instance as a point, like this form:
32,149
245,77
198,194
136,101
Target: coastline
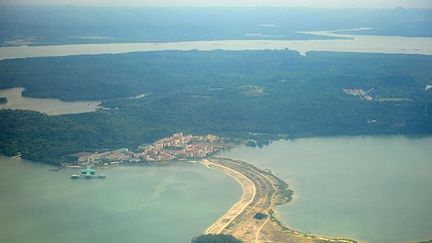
262,193
342,43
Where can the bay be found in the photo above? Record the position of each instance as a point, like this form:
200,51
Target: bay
45,105
170,203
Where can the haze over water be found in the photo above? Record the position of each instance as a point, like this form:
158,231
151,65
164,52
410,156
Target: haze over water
375,189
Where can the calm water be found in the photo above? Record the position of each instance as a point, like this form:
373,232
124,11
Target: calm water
354,43
376,189
49,106
133,204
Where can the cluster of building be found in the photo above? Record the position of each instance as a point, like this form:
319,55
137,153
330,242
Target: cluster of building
107,158
177,146
180,146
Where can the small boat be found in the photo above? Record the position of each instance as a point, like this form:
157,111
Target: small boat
88,173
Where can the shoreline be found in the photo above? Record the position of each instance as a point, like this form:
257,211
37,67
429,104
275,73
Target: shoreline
249,192
262,193
353,44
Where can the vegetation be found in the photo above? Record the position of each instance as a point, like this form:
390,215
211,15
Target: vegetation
260,216
213,92
219,238
51,139
3,100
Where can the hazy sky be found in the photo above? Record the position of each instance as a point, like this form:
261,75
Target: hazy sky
206,3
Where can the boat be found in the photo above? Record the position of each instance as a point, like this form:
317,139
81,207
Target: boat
88,173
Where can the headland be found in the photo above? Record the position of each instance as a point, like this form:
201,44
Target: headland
252,218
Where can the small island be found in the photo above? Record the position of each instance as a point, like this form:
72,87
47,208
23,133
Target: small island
3,100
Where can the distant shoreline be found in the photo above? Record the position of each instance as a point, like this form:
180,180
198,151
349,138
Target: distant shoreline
345,43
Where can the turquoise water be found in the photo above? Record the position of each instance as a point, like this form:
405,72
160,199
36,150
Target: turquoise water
133,204
376,189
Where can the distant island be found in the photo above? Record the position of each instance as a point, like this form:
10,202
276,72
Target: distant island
3,100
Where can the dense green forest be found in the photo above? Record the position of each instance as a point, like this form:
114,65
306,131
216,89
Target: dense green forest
51,139
242,94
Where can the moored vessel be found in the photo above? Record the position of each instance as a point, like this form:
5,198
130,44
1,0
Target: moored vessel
88,173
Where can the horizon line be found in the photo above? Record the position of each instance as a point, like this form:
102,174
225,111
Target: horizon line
215,6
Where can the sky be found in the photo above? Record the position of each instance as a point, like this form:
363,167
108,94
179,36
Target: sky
233,3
